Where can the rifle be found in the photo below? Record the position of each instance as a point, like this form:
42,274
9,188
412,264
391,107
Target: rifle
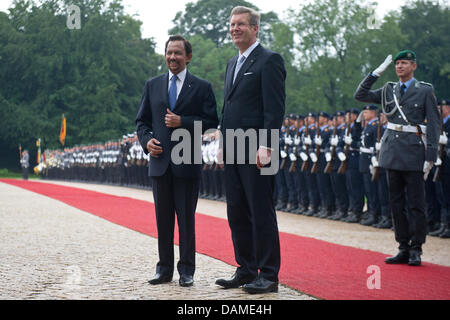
329,166
293,166
343,166
376,170
438,172
306,163
286,148
315,164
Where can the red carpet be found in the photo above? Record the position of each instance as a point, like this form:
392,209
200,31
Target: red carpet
316,267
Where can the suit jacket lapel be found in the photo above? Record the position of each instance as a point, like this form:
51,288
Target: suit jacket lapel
230,73
165,85
185,90
247,63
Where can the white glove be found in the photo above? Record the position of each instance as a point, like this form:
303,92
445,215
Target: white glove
341,156
328,156
313,157
427,165
283,154
288,141
307,140
292,157
374,162
377,146
297,141
334,141
443,138
438,162
360,116
318,140
348,139
303,156
371,169
379,71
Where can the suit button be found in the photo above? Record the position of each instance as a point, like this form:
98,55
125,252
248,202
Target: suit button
396,135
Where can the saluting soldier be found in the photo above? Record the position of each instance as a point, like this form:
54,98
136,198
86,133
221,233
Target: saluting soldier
411,108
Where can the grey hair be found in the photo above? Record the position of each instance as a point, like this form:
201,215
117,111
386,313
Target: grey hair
255,16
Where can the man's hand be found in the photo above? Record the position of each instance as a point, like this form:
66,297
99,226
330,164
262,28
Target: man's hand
172,120
154,148
262,157
379,71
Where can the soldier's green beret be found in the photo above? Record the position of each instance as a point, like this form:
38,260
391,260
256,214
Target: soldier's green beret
405,55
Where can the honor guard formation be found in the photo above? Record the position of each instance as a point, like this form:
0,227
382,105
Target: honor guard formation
328,168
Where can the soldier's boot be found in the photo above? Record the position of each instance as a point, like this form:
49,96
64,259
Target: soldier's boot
371,220
437,232
446,233
291,207
325,213
385,223
339,215
353,217
281,205
312,211
301,209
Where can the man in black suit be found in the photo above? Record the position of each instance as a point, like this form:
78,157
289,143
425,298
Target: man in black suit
170,101
254,99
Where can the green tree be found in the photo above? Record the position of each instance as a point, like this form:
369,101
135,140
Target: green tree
335,48
94,75
426,25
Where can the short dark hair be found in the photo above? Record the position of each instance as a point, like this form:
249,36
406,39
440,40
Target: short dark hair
187,44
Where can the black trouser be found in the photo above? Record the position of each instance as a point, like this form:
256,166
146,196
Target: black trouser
25,173
253,221
407,199
175,195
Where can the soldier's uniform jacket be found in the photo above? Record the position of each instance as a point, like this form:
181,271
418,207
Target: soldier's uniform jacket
405,151
367,148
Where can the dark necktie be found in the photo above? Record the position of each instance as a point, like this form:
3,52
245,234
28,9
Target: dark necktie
402,90
173,92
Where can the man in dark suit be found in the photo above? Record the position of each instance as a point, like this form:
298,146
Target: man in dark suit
175,100
254,99
411,110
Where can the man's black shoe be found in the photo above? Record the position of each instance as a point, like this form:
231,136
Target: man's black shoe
235,282
261,285
186,280
160,278
401,257
414,257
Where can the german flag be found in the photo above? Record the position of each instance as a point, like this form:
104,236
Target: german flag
62,133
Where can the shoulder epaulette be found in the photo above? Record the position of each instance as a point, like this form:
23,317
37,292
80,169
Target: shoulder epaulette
426,83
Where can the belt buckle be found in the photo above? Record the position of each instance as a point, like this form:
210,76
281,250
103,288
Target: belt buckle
398,127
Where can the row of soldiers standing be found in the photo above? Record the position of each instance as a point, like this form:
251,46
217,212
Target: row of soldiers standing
114,162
